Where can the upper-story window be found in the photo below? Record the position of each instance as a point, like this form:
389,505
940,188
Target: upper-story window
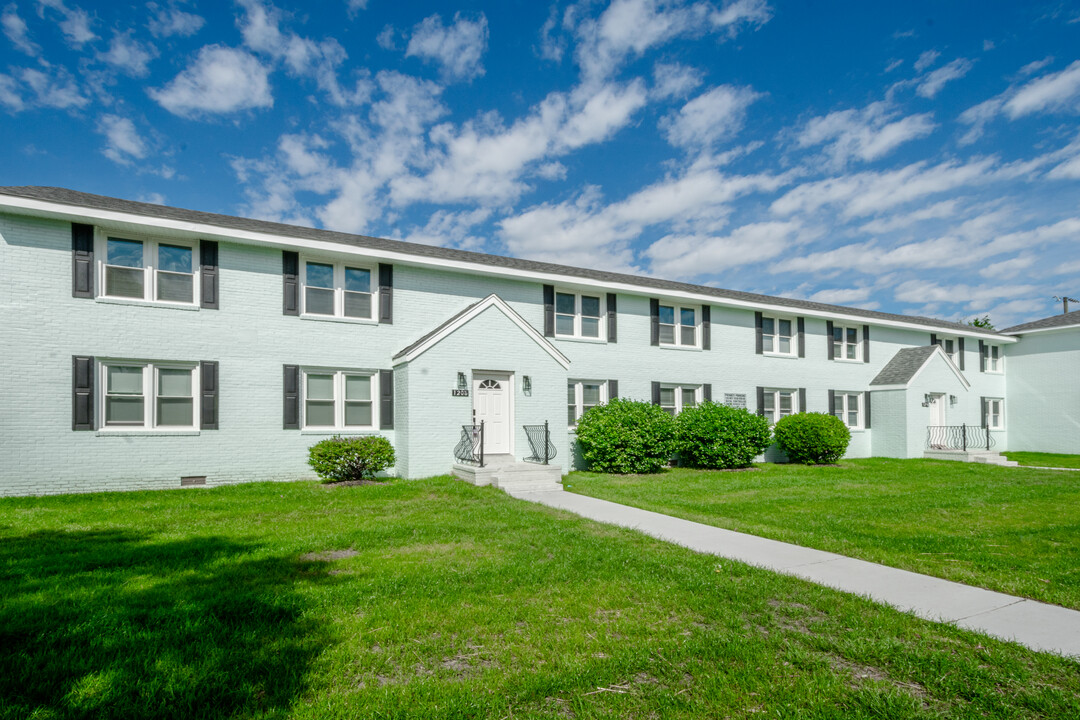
581,396
845,342
577,315
949,346
338,399
337,290
153,270
993,358
776,336
678,325
676,398
779,402
148,395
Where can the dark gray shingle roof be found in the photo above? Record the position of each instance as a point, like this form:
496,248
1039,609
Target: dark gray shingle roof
1053,321
101,202
453,319
903,366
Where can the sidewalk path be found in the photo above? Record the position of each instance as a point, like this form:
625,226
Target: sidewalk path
1039,626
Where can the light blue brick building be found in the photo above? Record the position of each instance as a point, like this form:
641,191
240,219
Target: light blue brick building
148,346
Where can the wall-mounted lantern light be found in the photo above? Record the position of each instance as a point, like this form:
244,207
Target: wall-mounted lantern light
952,399
462,383
927,400
526,385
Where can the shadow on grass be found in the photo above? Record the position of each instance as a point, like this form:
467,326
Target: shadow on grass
119,624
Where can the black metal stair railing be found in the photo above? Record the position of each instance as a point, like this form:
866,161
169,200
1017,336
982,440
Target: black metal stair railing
543,451
470,448
959,437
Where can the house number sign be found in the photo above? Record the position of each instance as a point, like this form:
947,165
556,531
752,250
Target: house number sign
459,393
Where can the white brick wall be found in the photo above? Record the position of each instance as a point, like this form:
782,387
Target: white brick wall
1042,407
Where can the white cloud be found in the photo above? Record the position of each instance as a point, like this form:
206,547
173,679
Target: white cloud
843,296
1068,170
458,49
154,198
53,88
932,84
128,55
16,31
1007,268
710,117
123,143
170,21
971,296
446,228
1033,67
926,59
75,23
938,211
221,80
674,80
893,64
690,256
355,6
866,134
1056,92
552,43
385,38
10,97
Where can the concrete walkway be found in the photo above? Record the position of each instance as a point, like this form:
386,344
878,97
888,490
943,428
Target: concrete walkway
1039,626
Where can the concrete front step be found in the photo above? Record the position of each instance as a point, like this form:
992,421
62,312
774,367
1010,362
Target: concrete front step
513,477
977,456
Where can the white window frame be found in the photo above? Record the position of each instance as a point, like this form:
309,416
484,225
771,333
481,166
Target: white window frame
793,338
944,342
1000,402
579,397
339,289
774,393
995,365
678,326
844,398
150,370
577,315
150,267
840,352
339,376
679,388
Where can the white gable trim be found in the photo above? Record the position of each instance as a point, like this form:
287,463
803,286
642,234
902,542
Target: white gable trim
948,361
497,302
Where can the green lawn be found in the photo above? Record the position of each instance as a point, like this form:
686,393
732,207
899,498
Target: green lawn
1044,459
1007,529
436,599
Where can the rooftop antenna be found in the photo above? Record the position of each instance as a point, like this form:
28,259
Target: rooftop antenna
1065,300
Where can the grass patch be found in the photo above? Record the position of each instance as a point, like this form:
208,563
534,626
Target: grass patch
1044,459
1011,530
437,599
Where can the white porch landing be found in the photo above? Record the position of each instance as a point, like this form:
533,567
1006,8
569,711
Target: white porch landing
987,457
511,475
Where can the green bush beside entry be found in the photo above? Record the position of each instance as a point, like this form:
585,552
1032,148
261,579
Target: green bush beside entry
338,459
626,437
812,438
717,436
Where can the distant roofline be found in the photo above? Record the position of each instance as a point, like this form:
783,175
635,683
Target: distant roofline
65,203
1061,321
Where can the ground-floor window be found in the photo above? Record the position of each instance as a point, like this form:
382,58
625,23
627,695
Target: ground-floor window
581,395
147,395
847,406
676,398
780,402
338,399
995,413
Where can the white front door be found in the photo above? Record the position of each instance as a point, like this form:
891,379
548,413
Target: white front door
491,404
937,410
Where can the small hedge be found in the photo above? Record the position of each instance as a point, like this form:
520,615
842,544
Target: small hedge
812,438
717,436
626,437
339,459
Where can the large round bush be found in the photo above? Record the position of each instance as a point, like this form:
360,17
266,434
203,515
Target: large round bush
812,438
340,459
717,436
626,436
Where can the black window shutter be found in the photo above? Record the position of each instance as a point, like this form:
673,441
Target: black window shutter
290,277
933,339
82,392
829,339
985,410
760,343
802,400
82,261
386,293
656,393
291,387
549,311
832,402
982,356
208,274
866,343
612,323
866,410
706,392
960,351
612,389
706,327
760,395
386,399
208,402
801,324
654,321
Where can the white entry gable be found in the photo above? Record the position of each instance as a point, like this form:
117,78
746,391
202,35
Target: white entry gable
448,328
906,366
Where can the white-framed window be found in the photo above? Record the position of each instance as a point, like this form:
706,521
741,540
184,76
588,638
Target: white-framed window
777,335
578,315
679,325
338,400
145,395
676,398
845,342
337,289
148,269
994,358
995,413
780,402
949,345
848,407
581,395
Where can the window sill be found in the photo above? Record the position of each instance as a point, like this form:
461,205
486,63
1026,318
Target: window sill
155,432
576,338
782,356
850,361
691,348
993,372
336,319
105,299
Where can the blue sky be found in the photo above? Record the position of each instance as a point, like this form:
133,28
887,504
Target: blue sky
916,157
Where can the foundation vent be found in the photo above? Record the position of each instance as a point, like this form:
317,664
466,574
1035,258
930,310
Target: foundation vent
192,480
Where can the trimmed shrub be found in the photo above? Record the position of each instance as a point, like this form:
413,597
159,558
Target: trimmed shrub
717,436
626,437
812,438
338,459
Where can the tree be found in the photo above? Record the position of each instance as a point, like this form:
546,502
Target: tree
981,322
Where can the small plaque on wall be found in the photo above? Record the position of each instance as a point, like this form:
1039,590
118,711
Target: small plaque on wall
459,393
